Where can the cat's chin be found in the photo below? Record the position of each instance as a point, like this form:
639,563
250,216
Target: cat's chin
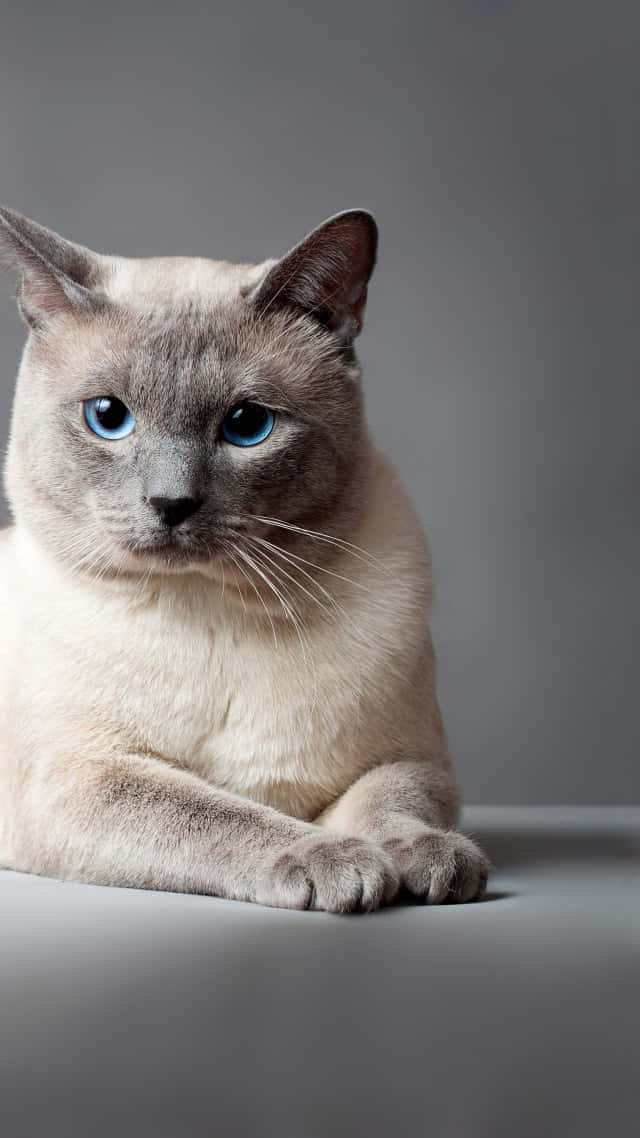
170,556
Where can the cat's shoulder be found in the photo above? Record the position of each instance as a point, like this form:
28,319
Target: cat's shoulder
6,547
6,537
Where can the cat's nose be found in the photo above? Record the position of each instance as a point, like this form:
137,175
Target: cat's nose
175,510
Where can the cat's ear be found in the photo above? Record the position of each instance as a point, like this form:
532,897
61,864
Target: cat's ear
326,275
56,275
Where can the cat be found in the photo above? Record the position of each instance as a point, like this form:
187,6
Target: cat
216,671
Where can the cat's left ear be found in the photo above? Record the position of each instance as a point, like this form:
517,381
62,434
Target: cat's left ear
326,275
56,275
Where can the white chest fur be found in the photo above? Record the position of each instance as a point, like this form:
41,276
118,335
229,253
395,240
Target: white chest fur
179,671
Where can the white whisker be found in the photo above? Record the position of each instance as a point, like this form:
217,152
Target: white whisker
262,602
298,584
313,564
338,542
231,556
287,606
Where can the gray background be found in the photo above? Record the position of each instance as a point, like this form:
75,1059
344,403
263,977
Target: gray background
497,143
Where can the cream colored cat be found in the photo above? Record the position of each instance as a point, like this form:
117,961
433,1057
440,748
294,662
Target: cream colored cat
216,673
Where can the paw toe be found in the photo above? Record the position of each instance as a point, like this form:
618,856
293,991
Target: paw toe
442,867
339,875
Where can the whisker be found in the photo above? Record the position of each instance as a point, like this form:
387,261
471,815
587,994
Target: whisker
340,543
287,607
312,564
346,616
262,602
242,553
338,608
299,585
239,591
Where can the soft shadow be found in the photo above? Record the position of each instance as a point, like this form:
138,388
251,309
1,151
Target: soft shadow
406,900
494,895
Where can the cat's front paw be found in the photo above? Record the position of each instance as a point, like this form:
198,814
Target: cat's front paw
324,871
438,865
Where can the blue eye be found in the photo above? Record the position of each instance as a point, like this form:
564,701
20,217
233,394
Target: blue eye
108,417
248,424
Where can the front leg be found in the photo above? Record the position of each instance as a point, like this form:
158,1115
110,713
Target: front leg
409,808
133,820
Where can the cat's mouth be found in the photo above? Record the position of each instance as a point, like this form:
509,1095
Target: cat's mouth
171,551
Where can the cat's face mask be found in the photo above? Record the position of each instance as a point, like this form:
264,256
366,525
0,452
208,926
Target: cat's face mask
172,414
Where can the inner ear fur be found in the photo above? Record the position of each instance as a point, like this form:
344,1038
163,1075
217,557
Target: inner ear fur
326,275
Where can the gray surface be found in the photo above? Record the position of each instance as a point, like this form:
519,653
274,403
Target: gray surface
148,1015
497,142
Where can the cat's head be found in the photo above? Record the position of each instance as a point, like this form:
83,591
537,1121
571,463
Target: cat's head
165,406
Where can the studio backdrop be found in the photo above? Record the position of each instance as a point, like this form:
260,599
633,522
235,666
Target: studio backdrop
497,145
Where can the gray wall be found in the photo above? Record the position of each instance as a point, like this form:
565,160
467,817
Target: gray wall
497,144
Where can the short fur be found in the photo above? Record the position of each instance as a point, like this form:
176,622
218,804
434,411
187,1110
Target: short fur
245,704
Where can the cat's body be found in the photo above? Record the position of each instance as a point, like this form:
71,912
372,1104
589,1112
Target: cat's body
181,723
180,667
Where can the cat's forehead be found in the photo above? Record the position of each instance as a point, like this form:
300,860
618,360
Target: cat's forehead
180,335
172,309
149,283
186,317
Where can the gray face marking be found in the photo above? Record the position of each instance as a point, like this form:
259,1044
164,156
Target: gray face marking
180,365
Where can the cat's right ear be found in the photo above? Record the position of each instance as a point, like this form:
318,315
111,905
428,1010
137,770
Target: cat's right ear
325,275
56,276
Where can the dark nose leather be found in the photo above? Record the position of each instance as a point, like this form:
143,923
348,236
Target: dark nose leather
175,510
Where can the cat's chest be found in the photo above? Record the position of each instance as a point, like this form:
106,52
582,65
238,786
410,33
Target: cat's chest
244,711
280,721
